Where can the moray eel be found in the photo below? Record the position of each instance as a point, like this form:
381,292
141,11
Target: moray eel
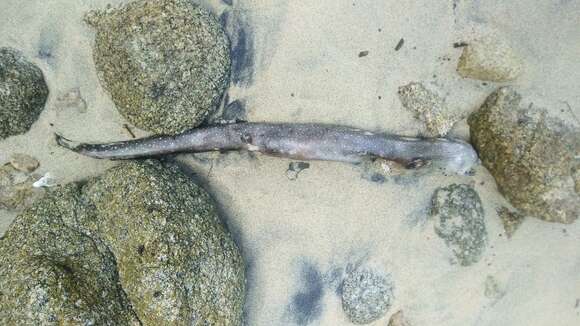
295,141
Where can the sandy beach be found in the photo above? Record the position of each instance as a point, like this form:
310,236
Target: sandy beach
336,62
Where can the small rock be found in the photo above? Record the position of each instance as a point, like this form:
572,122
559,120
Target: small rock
489,59
378,170
459,221
511,220
166,63
294,169
23,162
366,296
532,156
386,168
398,319
492,289
23,93
428,107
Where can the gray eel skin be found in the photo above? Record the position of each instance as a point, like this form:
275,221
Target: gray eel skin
296,141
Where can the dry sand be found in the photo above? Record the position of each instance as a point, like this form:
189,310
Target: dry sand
302,64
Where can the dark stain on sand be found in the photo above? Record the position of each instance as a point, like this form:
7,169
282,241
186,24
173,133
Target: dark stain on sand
236,24
306,304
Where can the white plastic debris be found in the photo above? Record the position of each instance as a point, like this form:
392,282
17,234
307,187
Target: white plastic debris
47,180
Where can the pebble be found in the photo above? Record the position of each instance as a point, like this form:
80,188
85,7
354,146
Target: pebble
428,107
24,162
459,221
493,289
294,169
489,59
366,295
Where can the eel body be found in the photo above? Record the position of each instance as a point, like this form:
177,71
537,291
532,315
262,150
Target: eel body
296,141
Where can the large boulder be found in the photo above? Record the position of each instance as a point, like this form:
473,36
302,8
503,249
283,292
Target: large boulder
532,156
166,63
23,93
141,244
53,273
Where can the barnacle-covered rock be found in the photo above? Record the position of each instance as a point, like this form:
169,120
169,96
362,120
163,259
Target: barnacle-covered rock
428,107
140,244
166,63
532,156
176,261
53,273
459,221
366,295
23,93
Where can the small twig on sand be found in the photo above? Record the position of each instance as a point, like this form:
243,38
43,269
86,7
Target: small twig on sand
126,126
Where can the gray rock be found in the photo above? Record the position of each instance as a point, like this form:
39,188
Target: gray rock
428,107
366,296
532,156
141,244
62,274
459,221
166,63
23,93
489,59
161,227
